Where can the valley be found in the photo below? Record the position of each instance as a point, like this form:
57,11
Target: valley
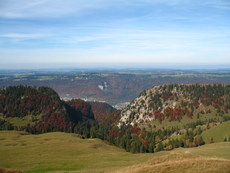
116,87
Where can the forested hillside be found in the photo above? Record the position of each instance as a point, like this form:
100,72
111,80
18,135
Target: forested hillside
161,118
102,111
174,101
41,108
169,116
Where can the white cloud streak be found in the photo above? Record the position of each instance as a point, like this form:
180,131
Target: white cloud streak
60,8
222,4
21,36
46,8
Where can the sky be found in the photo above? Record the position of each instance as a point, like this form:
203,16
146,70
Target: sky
47,32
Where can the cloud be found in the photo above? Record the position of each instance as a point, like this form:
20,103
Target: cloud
222,4
21,36
46,8
60,8
119,45
148,39
16,9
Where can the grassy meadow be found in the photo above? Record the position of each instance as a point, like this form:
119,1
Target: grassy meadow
63,152
218,133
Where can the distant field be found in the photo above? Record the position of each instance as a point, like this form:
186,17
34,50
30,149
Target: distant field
62,152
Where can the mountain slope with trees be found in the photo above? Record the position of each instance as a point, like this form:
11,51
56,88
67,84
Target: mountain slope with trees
173,115
39,110
42,105
102,111
161,118
174,101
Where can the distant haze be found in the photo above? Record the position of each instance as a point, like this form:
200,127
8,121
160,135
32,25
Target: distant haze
114,66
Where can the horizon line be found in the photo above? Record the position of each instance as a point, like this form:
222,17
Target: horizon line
114,65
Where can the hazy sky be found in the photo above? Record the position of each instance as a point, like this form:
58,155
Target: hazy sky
73,31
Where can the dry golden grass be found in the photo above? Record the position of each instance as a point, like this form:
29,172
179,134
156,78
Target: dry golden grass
180,163
3,170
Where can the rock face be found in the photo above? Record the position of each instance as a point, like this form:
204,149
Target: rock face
173,101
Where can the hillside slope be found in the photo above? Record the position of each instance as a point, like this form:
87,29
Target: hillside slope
180,163
64,152
59,151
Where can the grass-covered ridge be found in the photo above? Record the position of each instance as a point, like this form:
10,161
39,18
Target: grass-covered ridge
63,152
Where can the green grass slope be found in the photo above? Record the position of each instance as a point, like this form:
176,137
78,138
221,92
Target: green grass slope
63,152
218,133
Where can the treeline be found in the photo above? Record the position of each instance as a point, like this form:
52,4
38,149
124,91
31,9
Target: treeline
136,140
